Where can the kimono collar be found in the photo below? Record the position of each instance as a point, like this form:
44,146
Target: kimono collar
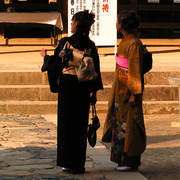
79,41
134,34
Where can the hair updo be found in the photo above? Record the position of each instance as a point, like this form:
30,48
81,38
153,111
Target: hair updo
128,20
84,21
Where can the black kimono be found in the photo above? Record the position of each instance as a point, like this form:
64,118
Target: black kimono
73,103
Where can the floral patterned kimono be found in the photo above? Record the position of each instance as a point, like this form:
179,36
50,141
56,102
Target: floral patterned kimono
124,126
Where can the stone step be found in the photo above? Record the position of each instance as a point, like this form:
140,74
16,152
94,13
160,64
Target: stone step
26,93
23,78
160,93
42,93
39,78
50,107
151,93
160,77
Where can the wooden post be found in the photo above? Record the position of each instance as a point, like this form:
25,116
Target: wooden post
134,4
179,103
1,5
63,8
6,41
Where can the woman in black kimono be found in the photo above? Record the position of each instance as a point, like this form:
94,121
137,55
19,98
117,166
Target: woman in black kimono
74,97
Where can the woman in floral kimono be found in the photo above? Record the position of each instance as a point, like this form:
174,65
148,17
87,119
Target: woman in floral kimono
124,126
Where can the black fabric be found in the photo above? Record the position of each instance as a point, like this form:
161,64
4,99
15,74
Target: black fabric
82,43
73,115
125,160
54,65
147,60
73,103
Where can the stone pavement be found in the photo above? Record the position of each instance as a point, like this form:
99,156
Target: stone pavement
28,151
166,53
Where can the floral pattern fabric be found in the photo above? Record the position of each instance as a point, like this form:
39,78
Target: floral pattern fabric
124,125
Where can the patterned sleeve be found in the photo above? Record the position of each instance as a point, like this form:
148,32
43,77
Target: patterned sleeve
134,73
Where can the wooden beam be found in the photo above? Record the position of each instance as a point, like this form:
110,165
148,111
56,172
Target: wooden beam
159,7
27,7
160,25
125,7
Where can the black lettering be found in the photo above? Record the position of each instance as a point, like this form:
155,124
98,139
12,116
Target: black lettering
72,11
72,2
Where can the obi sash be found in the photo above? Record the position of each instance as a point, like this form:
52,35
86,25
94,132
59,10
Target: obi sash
121,63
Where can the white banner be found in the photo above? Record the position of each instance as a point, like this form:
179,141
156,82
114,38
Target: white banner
103,32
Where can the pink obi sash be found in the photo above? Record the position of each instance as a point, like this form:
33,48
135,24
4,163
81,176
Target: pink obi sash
121,62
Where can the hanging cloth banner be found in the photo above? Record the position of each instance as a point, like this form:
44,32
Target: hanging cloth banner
103,32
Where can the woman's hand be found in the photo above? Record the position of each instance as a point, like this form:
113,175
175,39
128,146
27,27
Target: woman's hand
93,98
43,52
132,100
62,53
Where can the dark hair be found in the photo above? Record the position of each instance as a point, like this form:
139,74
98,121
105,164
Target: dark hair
84,21
128,20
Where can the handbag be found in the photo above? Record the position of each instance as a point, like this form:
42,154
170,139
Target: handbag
83,64
53,66
93,127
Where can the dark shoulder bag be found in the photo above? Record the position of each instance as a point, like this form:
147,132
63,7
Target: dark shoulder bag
147,60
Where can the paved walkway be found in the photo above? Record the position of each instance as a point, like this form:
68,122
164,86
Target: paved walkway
28,151
27,58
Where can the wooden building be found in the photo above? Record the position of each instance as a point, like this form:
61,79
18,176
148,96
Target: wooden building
159,18
21,24
36,6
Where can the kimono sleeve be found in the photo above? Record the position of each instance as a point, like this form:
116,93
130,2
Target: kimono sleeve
97,83
55,66
134,70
